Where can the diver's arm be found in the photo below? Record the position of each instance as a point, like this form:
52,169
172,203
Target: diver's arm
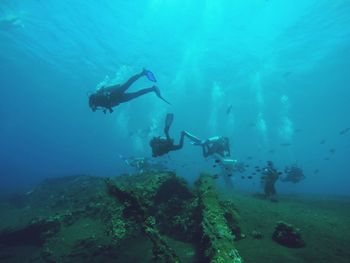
194,139
180,144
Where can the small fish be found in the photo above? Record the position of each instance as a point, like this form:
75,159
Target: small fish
250,177
271,151
229,109
247,165
258,170
323,141
249,157
242,177
253,173
256,167
217,161
279,173
316,171
332,151
298,130
326,159
214,165
229,175
215,176
342,132
263,177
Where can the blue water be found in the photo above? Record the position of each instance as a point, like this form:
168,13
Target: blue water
282,65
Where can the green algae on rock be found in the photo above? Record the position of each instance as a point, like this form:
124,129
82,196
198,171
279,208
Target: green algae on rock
149,217
137,205
217,239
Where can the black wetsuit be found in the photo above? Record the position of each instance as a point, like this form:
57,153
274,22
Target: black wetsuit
161,145
109,97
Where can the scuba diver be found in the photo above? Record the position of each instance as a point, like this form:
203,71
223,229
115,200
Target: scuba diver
215,145
163,145
219,147
143,164
108,97
293,173
268,180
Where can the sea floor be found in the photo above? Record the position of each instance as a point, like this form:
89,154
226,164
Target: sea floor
65,220
324,223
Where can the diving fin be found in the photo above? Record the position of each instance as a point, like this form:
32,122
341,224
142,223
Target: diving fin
157,91
169,120
149,74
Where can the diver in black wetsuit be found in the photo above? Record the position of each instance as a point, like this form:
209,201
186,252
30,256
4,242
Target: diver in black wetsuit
108,97
161,145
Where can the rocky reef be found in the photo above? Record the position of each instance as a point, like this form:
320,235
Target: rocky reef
163,205
217,231
153,217
158,217
287,235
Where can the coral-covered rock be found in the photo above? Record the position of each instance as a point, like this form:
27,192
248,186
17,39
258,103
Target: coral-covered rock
286,235
216,233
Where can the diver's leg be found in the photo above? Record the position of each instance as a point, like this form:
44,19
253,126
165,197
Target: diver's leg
168,122
109,89
133,95
130,96
130,81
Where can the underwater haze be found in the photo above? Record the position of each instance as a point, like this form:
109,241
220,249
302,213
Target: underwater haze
272,75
